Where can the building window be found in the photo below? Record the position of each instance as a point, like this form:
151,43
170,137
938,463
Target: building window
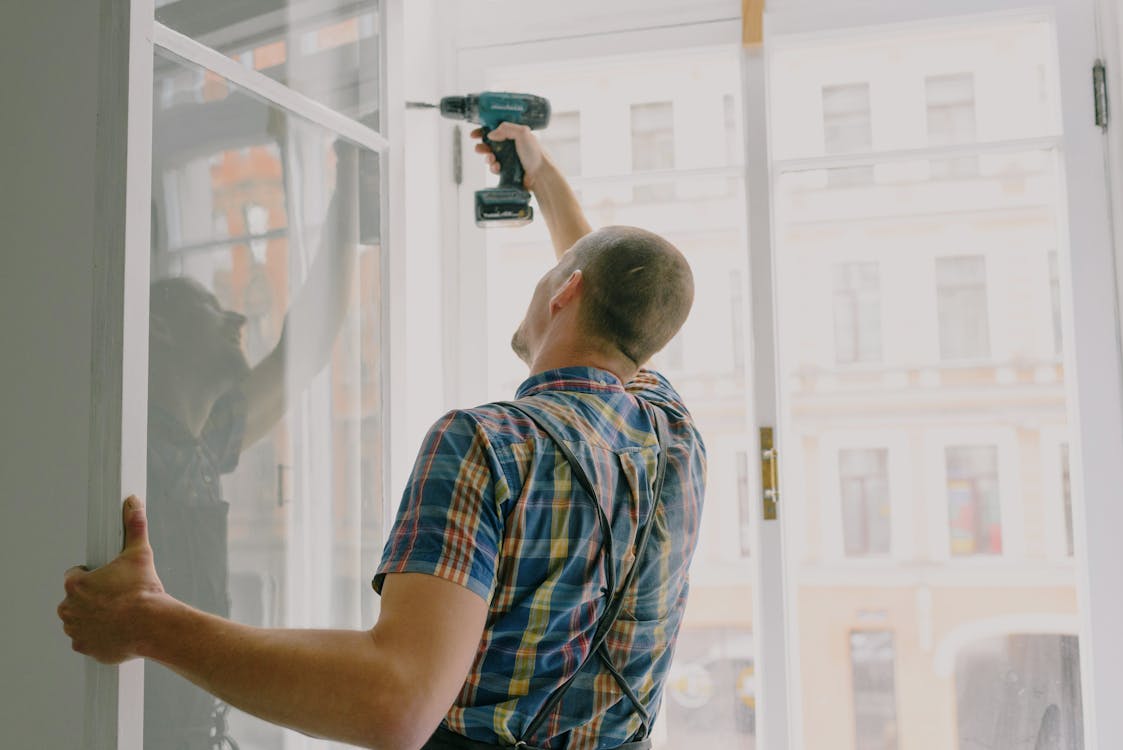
974,510
1055,300
744,503
847,129
961,294
563,140
864,488
872,664
653,147
951,122
1066,496
857,313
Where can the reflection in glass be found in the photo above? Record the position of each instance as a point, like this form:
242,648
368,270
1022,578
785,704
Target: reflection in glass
264,454
1021,692
327,50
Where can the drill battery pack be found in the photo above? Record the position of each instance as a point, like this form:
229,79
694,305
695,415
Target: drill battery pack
503,207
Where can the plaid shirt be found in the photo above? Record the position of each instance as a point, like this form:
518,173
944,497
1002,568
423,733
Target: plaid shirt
490,505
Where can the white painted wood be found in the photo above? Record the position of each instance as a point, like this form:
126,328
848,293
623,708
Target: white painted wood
118,425
267,88
395,310
778,722
1110,25
1093,355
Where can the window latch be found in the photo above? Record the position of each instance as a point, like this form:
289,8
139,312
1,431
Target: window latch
1099,87
769,474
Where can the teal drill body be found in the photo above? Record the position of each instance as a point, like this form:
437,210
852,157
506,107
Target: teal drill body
509,203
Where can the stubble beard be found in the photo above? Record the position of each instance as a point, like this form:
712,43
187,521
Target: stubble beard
518,345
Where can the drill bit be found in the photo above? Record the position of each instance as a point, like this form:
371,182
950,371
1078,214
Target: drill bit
420,105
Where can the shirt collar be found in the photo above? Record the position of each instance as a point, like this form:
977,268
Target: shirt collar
580,379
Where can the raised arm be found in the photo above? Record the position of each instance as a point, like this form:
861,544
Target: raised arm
316,315
564,217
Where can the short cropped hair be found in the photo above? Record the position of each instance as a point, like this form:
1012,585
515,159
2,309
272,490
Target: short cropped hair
638,289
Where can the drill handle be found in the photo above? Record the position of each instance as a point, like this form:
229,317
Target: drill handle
511,172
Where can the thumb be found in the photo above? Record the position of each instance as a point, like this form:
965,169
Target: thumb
136,523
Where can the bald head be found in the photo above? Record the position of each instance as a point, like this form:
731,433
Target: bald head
638,289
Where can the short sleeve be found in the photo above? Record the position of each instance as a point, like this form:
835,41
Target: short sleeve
651,386
225,429
448,524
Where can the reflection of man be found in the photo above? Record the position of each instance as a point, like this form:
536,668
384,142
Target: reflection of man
206,404
518,536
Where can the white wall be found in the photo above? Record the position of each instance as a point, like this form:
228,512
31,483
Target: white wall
48,86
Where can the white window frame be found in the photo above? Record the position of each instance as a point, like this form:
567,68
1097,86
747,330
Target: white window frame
115,695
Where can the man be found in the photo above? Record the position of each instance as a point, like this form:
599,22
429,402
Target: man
207,405
497,577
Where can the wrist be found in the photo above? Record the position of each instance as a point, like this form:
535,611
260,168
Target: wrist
154,616
545,178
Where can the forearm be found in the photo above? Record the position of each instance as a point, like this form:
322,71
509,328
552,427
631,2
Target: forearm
334,684
564,217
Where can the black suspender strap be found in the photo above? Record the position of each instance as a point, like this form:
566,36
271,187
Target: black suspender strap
615,594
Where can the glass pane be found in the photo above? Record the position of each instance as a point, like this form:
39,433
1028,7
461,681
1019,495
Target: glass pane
265,434
924,402
636,106
327,50
1025,686
982,81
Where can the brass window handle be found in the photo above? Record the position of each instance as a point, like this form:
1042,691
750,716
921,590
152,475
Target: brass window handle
769,474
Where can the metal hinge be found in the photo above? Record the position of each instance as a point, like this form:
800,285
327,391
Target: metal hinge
1099,88
457,156
769,474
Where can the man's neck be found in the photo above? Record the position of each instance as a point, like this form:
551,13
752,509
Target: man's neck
553,359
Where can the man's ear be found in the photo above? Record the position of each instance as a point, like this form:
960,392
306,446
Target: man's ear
567,293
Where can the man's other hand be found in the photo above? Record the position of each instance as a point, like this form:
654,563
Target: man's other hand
101,610
530,151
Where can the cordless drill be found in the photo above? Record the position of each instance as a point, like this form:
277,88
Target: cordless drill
509,203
